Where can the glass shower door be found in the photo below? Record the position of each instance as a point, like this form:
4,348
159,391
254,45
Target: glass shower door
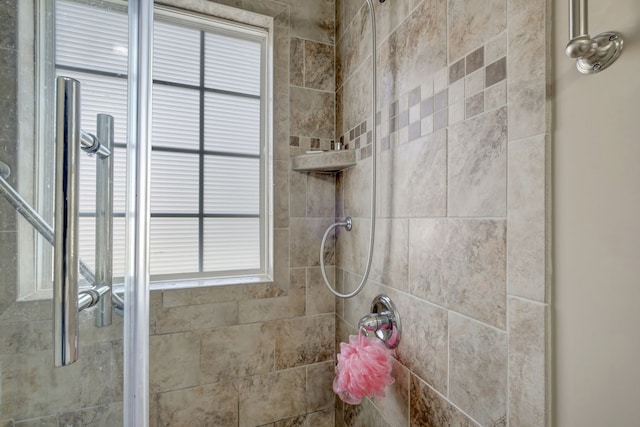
88,42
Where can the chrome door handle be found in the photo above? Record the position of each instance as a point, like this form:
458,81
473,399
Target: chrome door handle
104,217
66,301
66,265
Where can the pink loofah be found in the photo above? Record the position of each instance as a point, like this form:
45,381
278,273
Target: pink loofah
364,368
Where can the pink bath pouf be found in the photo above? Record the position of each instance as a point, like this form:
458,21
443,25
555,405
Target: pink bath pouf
364,368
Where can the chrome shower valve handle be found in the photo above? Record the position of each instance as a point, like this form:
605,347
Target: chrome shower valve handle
383,321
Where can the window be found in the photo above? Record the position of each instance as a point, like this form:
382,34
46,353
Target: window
210,167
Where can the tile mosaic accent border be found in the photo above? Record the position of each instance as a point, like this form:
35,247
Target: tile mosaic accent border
359,138
475,86
301,144
468,95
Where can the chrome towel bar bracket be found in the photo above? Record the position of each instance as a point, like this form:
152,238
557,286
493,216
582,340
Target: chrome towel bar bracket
592,54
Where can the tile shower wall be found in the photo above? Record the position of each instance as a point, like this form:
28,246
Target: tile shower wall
461,234
461,239
247,355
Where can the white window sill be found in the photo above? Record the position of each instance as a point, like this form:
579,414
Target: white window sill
167,285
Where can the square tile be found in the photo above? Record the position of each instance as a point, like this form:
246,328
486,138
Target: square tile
475,60
496,72
478,166
478,364
460,264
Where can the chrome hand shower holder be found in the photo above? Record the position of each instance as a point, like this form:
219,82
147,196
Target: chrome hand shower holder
383,321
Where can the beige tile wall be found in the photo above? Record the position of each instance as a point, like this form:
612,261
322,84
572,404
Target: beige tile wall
462,244
461,236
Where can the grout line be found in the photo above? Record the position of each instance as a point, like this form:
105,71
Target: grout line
339,38
528,300
448,355
304,63
354,72
313,89
507,258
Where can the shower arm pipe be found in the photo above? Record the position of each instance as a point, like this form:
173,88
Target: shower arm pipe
592,54
348,221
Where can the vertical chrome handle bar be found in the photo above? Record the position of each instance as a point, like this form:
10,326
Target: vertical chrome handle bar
104,218
65,281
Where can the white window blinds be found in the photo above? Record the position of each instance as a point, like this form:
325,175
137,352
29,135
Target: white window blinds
208,195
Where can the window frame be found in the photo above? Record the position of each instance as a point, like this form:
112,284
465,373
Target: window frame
264,36
39,287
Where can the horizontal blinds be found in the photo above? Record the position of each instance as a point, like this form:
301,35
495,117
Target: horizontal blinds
231,124
174,183
231,244
176,54
98,38
231,185
206,138
232,64
176,117
174,243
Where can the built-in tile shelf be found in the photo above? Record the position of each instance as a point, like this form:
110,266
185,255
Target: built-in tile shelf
327,161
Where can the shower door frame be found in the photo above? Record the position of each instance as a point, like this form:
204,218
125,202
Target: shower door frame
136,312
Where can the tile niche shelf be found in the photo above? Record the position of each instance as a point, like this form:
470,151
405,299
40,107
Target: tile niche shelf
326,161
